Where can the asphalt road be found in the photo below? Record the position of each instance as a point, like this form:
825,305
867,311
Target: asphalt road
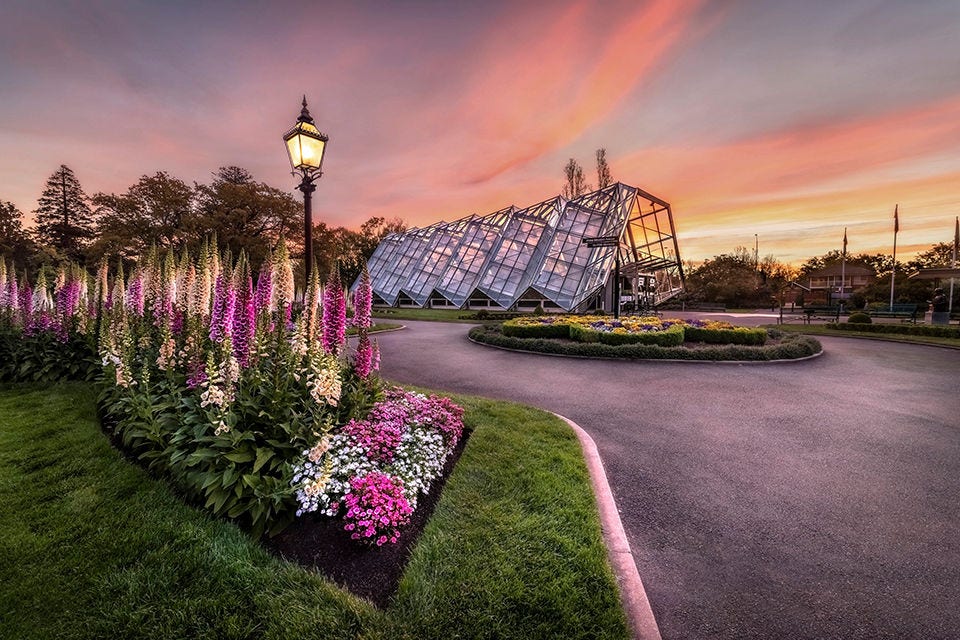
816,499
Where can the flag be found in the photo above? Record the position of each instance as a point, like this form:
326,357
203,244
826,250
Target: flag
896,220
956,241
844,241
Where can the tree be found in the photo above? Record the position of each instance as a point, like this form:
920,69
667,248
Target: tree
157,210
879,262
246,215
15,244
376,229
939,255
350,249
575,185
604,179
733,280
64,219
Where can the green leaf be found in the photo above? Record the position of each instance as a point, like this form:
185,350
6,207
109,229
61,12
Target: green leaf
243,455
263,456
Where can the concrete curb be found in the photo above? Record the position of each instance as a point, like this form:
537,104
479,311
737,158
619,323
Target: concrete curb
388,330
634,596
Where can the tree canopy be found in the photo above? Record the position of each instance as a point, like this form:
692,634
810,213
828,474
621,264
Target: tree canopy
156,210
246,215
604,179
15,244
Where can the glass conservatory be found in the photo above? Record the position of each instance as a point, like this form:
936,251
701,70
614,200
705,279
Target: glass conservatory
558,254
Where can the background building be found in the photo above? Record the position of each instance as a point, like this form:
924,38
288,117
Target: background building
521,258
824,284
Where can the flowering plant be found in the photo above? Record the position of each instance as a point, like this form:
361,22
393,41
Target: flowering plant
209,375
376,508
407,437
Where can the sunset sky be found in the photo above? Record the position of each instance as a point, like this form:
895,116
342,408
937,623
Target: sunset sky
786,119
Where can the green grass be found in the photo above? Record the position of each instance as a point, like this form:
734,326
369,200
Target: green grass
384,326
820,330
93,547
437,315
376,327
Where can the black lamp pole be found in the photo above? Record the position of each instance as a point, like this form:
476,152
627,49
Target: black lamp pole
307,186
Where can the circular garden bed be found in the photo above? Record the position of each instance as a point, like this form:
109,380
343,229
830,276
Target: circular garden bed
644,337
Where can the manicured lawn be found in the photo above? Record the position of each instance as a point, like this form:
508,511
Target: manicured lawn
820,330
92,547
442,315
376,327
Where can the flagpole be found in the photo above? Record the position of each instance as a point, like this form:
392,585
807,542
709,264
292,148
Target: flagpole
843,268
893,271
953,263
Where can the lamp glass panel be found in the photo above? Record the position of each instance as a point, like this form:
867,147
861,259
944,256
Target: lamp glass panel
305,146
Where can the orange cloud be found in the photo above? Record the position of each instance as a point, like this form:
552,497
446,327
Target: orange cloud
537,94
801,159
805,184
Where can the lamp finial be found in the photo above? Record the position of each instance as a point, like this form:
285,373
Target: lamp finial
305,113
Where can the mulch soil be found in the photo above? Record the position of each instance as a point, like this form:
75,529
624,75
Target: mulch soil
319,543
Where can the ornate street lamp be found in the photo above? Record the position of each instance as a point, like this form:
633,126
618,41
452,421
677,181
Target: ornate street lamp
306,146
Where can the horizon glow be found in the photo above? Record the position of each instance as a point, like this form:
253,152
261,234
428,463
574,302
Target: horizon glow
786,120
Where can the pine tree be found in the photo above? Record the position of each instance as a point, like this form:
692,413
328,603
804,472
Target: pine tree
63,216
604,179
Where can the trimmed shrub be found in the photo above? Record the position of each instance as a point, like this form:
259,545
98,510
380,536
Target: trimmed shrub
936,331
858,317
583,333
737,335
792,347
540,330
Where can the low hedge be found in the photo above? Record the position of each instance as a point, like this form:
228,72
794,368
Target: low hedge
737,335
936,331
556,330
670,337
792,347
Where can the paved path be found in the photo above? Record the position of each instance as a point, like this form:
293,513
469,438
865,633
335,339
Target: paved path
817,499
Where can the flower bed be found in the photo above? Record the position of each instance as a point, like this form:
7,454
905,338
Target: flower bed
632,330
374,470
246,396
643,338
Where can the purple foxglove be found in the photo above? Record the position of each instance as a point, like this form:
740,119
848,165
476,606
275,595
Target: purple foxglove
334,314
362,301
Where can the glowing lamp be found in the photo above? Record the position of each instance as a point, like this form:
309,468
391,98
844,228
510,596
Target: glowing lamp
305,144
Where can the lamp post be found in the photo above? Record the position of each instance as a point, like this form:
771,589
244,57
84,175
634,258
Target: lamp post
306,146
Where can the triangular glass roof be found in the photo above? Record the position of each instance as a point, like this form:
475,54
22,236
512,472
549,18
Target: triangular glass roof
511,252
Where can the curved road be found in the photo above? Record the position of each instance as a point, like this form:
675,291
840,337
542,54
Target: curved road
816,499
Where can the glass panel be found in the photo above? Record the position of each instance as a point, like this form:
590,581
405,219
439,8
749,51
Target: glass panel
436,256
519,255
469,258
